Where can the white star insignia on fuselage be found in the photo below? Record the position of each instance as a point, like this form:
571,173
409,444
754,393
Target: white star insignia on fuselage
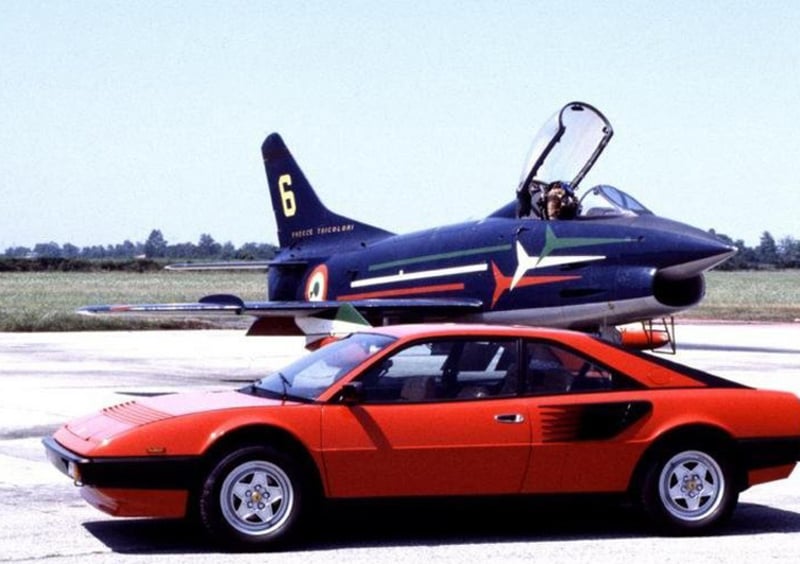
525,262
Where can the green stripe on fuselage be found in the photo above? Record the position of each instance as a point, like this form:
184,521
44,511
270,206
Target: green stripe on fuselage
440,256
553,243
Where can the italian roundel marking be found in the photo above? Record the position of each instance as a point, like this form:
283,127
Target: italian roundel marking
317,284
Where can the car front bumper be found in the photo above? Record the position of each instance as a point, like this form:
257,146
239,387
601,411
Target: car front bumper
156,486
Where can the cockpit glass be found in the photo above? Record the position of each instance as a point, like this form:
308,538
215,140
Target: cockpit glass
604,200
539,146
622,200
567,146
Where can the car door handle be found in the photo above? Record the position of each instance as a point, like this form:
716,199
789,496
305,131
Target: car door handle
510,418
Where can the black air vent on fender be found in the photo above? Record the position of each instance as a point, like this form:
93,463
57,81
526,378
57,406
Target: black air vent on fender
590,422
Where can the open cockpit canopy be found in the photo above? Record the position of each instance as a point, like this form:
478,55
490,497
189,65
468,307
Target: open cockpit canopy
566,147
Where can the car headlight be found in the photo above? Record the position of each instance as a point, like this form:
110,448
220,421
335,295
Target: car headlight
74,472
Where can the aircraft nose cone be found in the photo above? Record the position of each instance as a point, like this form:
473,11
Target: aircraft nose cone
696,252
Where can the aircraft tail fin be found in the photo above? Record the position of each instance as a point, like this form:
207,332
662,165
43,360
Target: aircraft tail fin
300,214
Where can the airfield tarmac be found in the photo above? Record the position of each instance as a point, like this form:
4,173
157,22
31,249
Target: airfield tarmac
47,378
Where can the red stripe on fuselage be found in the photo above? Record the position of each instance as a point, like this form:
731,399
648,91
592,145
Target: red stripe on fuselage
455,287
502,283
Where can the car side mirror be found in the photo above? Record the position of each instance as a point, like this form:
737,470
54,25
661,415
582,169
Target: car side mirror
352,393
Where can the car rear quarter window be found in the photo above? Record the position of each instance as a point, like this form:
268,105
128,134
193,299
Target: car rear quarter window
550,368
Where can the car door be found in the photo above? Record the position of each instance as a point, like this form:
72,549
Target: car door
439,417
582,414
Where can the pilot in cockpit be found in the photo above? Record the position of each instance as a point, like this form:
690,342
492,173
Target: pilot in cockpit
547,201
562,153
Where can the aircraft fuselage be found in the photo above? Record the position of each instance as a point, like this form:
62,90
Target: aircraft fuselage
562,273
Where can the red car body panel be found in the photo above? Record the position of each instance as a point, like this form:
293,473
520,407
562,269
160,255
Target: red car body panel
117,431
121,502
424,449
560,443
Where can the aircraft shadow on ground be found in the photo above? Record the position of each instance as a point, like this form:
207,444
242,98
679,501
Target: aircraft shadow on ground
387,524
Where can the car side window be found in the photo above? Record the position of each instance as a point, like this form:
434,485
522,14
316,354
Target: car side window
435,370
552,369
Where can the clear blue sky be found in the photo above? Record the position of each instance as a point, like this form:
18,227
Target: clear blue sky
120,117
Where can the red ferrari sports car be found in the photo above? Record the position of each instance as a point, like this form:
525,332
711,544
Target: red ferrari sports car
436,410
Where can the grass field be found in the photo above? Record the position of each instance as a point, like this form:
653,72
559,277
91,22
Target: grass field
751,296
46,301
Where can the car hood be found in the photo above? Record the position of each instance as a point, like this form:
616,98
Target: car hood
119,418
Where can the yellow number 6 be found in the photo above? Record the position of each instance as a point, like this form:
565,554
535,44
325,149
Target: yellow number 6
287,196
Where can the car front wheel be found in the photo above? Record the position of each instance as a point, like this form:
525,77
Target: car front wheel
253,498
689,491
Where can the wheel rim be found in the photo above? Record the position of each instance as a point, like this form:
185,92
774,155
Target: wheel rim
691,486
256,497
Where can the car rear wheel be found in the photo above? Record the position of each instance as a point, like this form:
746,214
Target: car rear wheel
689,491
253,498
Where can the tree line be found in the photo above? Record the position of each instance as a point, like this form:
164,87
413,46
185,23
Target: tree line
154,247
769,253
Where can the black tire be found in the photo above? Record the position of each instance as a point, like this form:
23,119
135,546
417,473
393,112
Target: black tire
688,490
254,498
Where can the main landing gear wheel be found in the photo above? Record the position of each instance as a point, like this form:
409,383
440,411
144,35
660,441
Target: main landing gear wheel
253,498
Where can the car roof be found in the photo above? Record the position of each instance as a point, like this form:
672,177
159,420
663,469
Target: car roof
650,371
466,329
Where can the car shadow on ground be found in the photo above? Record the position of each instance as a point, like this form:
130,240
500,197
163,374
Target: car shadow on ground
437,522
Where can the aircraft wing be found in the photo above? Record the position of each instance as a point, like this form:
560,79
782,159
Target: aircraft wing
221,265
411,308
303,317
223,303
203,307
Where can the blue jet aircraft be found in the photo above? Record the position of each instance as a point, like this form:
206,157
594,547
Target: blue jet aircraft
546,258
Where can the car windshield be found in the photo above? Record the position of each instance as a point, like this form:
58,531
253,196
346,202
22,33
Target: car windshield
306,378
